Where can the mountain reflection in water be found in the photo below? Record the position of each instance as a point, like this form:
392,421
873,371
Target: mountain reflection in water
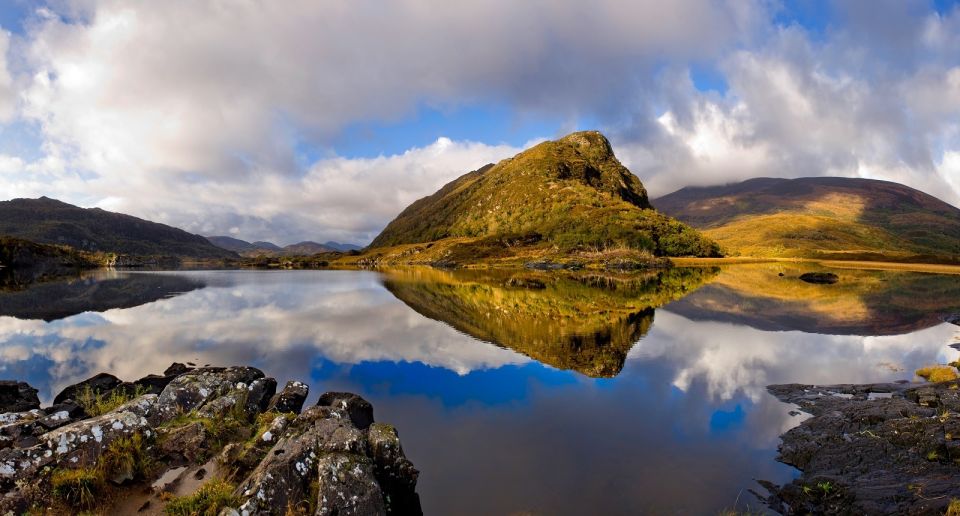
584,321
516,391
770,297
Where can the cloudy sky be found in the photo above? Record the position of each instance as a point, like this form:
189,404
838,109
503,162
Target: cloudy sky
322,119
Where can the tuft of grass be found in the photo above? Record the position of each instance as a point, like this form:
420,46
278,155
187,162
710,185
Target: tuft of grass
954,508
80,488
96,403
86,488
126,454
209,500
938,373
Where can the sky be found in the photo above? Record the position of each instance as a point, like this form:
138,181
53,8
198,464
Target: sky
321,120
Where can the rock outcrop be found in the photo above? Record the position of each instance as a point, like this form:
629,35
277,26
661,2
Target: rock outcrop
17,397
216,440
871,449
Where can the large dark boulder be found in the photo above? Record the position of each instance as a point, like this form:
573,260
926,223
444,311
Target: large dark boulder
17,397
102,384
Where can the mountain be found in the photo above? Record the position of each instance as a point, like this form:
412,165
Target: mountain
306,248
231,244
261,248
824,217
344,248
570,194
270,246
49,221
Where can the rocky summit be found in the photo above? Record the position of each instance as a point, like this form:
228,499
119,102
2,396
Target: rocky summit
213,440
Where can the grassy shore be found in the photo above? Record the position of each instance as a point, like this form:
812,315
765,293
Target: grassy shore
838,264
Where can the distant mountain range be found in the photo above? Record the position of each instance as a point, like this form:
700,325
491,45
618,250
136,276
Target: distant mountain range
48,221
245,248
821,217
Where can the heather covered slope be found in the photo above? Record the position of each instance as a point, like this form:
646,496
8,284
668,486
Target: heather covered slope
827,217
567,194
49,221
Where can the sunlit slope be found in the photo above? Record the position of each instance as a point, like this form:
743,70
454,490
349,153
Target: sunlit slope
861,303
567,194
821,218
579,321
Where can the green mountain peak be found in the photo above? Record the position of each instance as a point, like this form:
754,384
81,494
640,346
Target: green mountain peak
572,193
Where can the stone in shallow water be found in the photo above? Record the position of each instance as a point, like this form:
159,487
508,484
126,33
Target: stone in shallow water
821,278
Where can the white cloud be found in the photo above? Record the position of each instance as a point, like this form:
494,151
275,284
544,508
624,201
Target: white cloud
195,113
342,199
167,105
8,97
738,360
798,108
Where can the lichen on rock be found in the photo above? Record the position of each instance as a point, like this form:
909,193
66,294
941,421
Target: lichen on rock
331,459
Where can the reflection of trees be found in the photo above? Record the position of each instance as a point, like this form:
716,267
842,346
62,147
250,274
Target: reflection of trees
91,292
582,321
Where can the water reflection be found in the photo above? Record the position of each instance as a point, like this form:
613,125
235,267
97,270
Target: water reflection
523,425
770,297
95,291
583,321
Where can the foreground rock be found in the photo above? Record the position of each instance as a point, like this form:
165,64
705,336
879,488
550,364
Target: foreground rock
17,397
212,441
871,449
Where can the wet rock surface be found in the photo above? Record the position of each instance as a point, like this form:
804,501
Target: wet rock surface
222,430
871,449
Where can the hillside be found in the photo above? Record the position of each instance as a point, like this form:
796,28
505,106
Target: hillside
567,195
49,221
821,217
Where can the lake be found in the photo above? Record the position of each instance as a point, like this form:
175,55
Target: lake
516,392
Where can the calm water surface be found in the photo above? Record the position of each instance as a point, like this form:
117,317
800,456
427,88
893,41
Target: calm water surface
516,392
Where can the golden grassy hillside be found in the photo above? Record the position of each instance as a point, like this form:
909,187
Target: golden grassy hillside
567,195
827,218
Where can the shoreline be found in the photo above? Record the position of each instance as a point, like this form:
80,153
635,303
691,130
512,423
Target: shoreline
891,448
